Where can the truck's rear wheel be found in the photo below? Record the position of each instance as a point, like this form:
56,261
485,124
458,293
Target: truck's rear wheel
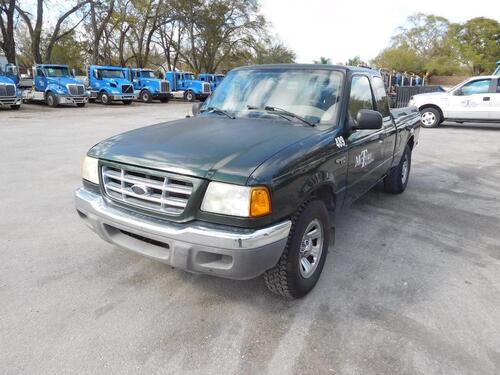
397,179
301,263
189,96
431,117
104,98
146,96
51,100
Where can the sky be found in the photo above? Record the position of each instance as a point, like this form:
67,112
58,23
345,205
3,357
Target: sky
343,29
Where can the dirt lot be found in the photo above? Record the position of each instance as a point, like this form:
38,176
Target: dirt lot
411,286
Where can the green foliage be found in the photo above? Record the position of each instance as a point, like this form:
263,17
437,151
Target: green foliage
323,61
355,61
402,59
68,51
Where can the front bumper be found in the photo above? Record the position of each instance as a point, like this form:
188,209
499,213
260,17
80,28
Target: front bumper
8,101
123,97
73,99
230,252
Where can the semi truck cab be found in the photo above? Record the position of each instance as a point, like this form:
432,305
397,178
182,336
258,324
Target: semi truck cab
54,84
110,83
148,87
185,86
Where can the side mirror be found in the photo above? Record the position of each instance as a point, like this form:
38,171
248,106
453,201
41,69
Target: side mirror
458,92
73,73
368,119
196,108
96,74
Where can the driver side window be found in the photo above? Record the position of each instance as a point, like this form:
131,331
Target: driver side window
476,87
361,96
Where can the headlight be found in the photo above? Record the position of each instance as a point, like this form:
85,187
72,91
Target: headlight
235,200
90,169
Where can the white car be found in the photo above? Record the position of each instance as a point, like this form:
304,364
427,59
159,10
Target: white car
474,100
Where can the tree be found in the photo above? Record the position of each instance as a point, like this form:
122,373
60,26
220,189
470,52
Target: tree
100,14
35,28
273,53
8,43
402,59
355,61
323,61
478,43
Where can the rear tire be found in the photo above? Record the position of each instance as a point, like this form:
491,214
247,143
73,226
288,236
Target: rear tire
146,96
51,100
104,98
397,179
303,258
431,117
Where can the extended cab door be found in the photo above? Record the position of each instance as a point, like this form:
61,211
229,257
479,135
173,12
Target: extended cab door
367,157
472,100
495,100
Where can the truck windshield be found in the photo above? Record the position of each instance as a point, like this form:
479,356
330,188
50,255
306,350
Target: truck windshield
311,94
148,74
188,76
56,71
111,73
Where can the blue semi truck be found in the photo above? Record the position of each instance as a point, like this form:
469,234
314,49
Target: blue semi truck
148,86
109,84
54,84
10,96
185,86
213,79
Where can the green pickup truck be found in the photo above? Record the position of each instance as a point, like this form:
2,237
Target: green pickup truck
252,184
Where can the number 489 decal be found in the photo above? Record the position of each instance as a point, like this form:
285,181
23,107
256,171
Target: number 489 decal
340,142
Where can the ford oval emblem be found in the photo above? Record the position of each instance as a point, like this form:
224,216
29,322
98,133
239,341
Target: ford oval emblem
140,189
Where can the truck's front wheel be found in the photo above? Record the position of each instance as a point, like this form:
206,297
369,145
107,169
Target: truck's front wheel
51,100
189,96
146,96
104,98
301,263
431,117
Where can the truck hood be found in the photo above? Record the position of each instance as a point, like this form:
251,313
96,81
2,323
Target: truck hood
63,81
117,81
151,82
6,80
211,146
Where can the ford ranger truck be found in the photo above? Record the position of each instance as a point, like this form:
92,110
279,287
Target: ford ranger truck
251,185
148,87
109,84
54,84
475,100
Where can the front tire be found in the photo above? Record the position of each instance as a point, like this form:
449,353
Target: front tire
146,96
397,179
190,96
431,117
303,258
104,98
51,100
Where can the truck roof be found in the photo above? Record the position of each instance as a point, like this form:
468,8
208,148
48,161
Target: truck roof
108,67
311,67
51,65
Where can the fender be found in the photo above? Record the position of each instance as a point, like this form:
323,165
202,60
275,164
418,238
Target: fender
54,88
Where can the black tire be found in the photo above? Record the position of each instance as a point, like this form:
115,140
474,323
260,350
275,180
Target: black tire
127,102
431,117
397,179
15,106
189,96
51,100
104,98
164,100
286,278
91,100
146,96
81,105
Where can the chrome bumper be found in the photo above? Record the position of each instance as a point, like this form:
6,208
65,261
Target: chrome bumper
73,99
8,101
123,97
224,251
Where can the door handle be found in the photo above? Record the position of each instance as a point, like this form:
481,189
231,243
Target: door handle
486,99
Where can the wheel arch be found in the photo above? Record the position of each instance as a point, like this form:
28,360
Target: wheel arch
436,107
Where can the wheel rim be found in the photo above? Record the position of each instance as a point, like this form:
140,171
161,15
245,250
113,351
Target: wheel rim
405,170
428,118
50,100
189,97
311,248
145,97
104,98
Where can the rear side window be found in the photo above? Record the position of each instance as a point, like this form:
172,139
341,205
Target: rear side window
481,86
361,95
381,97
498,85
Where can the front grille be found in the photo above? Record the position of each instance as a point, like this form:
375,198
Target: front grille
206,88
167,194
127,89
164,87
7,90
76,90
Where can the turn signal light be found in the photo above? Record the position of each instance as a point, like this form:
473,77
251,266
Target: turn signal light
260,202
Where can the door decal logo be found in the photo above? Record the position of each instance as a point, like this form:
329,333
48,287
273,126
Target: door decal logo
363,159
340,142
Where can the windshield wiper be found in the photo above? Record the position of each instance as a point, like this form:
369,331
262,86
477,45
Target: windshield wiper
282,113
218,111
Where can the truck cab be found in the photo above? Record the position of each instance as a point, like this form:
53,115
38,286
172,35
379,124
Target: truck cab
54,84
10,96
109,84
148,86
184,85
213,79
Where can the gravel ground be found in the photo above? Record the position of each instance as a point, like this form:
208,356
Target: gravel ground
411,286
